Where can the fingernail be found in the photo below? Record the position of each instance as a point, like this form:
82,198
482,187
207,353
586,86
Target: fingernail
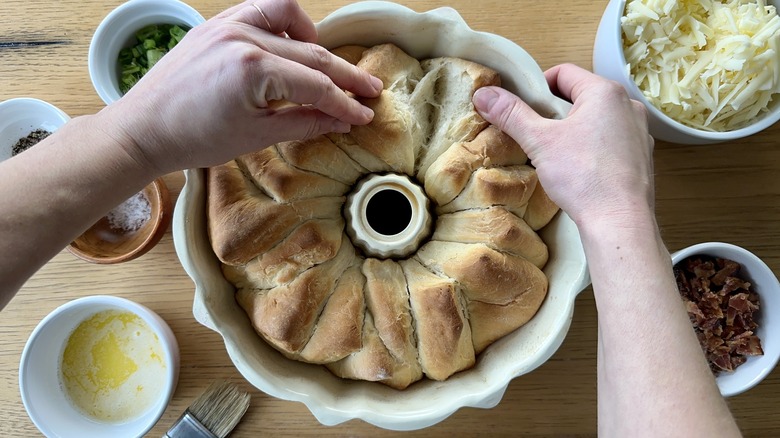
341,127
369,113
485,98
377,84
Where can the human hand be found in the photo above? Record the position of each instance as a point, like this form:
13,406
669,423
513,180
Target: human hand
597,162
216,94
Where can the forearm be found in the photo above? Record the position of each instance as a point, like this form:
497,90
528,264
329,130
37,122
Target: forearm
56,190
652,379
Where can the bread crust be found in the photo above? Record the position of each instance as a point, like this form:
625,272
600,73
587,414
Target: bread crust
338,332
387,299
495,227
312,243
510,187
283,182
541,209
373,362
286,315
382,147
352,53
447,177
511,287
443,331
319,155
244,222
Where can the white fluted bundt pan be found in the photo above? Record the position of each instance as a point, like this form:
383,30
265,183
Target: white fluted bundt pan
333,400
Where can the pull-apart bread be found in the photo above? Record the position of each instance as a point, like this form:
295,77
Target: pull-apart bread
275,220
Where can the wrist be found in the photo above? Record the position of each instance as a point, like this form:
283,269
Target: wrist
125,137
632,214
113,149
626,230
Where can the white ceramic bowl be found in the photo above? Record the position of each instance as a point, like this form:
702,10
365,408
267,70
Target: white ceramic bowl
766,285
21,116
610,62
333,400
117,31
39,382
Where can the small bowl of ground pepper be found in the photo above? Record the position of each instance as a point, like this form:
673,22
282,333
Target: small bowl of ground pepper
24,122
733,300
129,230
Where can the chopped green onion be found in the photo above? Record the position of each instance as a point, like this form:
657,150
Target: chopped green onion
153,42
153,56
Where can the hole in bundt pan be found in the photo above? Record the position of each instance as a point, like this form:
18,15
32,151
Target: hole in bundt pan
389,212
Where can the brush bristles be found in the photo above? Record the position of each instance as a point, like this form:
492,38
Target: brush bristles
220,407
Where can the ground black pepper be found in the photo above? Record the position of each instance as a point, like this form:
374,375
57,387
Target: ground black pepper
25,143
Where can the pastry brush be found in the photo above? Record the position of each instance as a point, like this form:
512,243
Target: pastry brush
212,415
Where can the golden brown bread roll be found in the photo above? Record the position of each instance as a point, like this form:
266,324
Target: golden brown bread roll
243,222
395,152
373,362
454,117
541,209
442,328
502,291
339,330
495,227
283,182
404,118
276,222
286,315
319,155
312,243
510,186
450,173
398,71
387,299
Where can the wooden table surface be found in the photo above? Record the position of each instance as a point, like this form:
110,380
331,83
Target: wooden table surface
727,192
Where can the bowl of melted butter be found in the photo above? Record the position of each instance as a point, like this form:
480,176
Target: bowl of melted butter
98,366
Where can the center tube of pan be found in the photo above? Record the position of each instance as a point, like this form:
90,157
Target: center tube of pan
387,216
389,212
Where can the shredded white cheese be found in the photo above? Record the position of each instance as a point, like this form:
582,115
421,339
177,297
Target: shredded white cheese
709,64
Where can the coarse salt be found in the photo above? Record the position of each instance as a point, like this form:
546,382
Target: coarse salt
132,214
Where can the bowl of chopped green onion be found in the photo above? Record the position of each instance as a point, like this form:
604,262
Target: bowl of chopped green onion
132,38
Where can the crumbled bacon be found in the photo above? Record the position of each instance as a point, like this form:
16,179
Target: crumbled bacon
721,307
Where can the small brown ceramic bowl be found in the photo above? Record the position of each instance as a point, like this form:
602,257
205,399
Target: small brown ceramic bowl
104,244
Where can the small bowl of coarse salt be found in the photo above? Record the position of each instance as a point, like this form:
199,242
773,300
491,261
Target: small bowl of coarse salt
129,230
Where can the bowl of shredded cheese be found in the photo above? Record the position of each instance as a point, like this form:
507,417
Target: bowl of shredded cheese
707,70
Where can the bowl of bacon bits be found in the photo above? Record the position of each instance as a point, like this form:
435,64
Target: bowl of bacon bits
733,300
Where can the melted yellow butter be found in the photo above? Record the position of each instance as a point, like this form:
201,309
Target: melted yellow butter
112,367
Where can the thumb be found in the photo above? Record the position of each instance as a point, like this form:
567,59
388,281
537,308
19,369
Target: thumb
510,114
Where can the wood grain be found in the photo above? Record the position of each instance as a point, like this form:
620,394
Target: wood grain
728,192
